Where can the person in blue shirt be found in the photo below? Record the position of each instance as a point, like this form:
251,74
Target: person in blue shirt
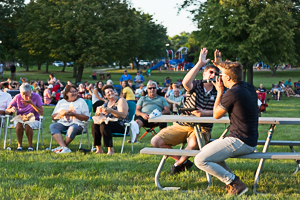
288,82
125,77
138,79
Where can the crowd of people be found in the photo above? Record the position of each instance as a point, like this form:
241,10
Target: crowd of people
206,98
282,88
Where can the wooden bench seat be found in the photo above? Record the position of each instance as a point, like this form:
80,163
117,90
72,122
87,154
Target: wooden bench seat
256,155
277,142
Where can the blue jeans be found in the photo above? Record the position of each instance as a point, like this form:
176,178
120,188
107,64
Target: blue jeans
212,157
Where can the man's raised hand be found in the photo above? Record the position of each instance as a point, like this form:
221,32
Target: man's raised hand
218,56
202,56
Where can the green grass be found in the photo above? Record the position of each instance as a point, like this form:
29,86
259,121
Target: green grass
44,175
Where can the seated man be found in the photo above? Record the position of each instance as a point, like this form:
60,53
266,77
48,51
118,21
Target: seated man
175,101
201,96
297,89
148,103
5,99
261,88
171,91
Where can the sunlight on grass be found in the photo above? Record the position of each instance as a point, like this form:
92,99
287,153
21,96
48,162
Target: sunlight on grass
44,175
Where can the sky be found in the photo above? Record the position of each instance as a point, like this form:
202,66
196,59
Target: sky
165,12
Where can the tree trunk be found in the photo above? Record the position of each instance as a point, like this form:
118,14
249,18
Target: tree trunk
47,67
39,66
250,74
63,69
79,75
244,73
27,68
74,71
273,70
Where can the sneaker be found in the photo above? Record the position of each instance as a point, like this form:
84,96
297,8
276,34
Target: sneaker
177,169
56,149
64,150
188,164
237,187
30,149
129,141
20,149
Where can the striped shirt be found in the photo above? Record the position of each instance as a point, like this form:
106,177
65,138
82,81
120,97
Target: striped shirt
198,97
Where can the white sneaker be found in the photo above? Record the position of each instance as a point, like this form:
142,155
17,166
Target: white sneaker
65,150
56,149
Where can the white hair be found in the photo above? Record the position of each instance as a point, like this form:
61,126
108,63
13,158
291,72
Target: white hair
151,83
25,87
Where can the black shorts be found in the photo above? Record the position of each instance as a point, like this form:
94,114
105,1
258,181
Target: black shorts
147,124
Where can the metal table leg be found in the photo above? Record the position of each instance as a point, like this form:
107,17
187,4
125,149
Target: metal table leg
261,162
297,161
157,174
201,143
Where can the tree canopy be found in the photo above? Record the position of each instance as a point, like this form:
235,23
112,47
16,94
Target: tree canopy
87,32
247,31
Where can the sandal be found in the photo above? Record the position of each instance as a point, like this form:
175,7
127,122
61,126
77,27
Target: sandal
30,149
20,149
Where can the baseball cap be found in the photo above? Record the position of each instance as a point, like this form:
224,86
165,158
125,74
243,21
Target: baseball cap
125,70
50,86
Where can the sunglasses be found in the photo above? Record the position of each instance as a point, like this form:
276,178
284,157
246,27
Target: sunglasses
151,88
216,73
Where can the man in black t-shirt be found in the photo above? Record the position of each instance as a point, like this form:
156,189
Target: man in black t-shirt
13,71
240,101
261,88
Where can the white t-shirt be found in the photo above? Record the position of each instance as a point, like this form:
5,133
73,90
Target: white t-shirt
79,106
5,99
94,98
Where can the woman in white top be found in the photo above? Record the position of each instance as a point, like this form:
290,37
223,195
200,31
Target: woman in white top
97,97
73,110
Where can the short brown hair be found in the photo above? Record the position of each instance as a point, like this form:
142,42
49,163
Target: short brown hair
211,67
232,69
67,90
107,87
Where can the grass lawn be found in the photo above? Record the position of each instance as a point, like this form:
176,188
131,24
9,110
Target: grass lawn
44,175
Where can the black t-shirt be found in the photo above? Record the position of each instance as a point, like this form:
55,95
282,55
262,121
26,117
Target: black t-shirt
241,103
12,68
261,89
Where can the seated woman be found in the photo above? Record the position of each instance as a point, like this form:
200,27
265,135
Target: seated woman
116,107
97,97
72,111
48,97
127,92
24,103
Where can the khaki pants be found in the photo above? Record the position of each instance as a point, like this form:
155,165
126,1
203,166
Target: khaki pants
176,134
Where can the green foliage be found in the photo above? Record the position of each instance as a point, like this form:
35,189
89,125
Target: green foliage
249,31
151,38
9,10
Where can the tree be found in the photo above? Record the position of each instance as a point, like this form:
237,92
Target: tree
33,30
8,36
151,39
249,31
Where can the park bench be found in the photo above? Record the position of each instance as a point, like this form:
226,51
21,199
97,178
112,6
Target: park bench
272,121
178,152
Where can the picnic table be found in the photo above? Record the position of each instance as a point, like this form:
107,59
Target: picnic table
272,121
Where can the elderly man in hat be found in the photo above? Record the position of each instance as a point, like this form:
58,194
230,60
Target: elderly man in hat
125,77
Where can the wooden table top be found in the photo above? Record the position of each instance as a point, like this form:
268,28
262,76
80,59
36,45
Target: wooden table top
223,120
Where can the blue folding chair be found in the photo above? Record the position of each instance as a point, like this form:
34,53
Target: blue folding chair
131,113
